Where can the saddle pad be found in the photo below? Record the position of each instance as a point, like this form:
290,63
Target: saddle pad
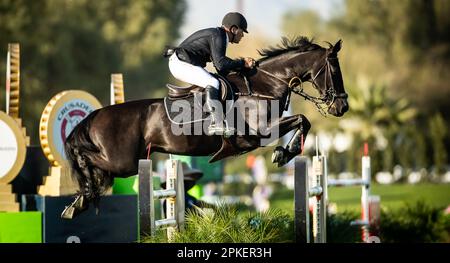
186,110
190,109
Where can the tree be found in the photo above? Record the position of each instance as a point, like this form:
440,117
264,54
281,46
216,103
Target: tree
379,119
305,23
438,133
78,44
412,37
403,44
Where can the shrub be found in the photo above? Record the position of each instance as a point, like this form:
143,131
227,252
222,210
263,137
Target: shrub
224,224
415,223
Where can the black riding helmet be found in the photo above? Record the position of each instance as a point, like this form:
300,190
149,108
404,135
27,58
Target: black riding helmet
235,19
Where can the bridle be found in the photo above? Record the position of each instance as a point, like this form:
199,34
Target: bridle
322,103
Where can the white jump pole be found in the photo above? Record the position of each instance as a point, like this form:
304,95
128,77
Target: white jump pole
319,207
174,203
365,193
174,195
370,205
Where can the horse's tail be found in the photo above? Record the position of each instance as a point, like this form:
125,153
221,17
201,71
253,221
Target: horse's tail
78,147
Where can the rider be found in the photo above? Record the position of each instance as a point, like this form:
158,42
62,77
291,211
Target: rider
206,45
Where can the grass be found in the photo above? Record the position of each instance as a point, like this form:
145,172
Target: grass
393,197
226,224
410,213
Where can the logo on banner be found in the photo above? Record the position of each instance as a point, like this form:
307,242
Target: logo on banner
68,116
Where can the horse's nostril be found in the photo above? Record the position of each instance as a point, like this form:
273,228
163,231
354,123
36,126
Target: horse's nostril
345,108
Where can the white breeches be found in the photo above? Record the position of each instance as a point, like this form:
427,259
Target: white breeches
191,74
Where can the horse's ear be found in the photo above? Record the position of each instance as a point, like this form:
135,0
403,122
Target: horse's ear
337,46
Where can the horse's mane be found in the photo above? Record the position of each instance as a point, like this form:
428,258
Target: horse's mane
299,43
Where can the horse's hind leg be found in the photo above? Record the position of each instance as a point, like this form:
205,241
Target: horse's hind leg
103,181
94,183
283,155
100,182
83,197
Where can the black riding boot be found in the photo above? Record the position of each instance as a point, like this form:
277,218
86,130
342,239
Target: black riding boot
216,126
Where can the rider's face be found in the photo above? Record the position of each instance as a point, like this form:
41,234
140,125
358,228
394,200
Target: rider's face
239,34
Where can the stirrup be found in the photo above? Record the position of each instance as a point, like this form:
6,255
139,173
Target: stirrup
217,130
229,131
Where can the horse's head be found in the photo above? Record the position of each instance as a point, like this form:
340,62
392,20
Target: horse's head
327,79
299,60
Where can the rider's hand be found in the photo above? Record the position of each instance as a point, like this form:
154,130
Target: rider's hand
249,62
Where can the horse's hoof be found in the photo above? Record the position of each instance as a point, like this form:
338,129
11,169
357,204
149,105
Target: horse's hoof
68,213
75,208
278,154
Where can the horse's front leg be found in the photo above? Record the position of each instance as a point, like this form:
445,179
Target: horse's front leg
283,155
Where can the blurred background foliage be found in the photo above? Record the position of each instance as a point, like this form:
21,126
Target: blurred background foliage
395,64
77,45
394,60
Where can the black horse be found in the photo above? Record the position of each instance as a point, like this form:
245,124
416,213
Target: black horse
109,141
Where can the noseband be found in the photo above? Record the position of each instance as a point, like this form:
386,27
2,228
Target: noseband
323,102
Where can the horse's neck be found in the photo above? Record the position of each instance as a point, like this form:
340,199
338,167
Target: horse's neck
280,70
269,81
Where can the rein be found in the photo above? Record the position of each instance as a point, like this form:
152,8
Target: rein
295,85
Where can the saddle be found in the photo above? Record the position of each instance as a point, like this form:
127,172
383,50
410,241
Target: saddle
187,96
176,92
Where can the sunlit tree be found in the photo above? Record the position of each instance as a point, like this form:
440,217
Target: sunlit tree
77,45
378,118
